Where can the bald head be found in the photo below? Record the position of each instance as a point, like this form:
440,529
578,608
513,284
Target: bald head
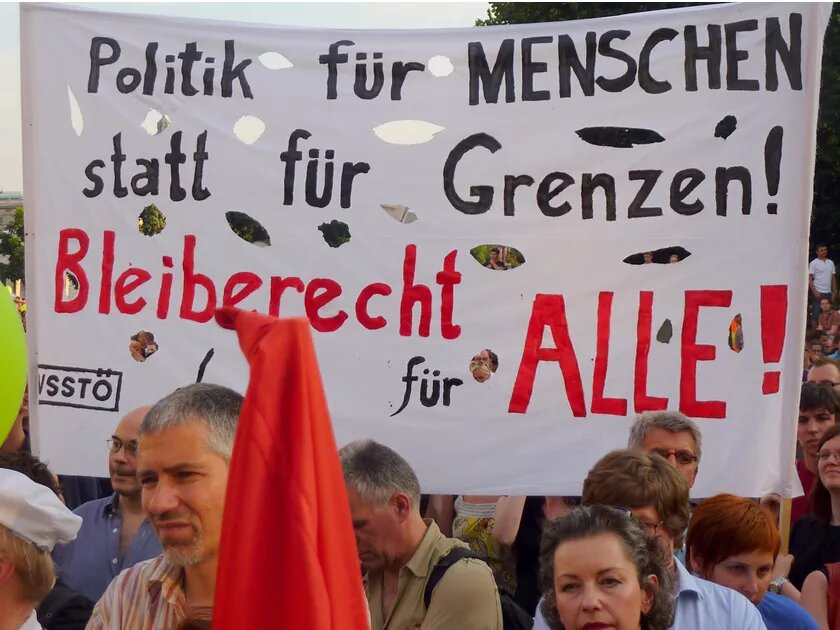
130,424
122,464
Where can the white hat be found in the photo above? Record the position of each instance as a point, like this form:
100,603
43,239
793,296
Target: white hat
34,512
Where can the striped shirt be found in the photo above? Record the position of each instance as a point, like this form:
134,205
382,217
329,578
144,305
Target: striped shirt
148,596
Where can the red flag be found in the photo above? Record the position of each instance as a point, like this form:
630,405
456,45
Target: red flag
288,553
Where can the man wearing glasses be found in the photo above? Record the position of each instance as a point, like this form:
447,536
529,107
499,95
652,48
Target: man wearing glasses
671,435
115,533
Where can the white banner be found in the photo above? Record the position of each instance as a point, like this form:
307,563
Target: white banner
462,214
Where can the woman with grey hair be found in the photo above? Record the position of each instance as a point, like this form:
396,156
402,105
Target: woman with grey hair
599,568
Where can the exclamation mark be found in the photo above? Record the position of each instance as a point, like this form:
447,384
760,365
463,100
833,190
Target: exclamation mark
774,304
773,163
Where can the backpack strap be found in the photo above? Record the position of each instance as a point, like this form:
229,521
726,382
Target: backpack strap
456,554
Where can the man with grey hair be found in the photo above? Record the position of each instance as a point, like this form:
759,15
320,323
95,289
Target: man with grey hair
183,457
673,436
399,550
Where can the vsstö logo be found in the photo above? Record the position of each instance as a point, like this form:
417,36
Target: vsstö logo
81,388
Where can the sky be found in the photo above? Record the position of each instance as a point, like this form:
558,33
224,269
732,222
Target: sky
321,14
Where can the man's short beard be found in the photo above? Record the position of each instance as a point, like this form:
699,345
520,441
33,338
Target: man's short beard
180,554
185,555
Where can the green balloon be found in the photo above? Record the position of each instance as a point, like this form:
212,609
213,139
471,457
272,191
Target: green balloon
13,363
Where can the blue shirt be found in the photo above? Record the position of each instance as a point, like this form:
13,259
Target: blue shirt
781,613
702,605
679,554
88,564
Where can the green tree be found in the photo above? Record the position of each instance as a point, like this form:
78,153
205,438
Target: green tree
11,245
825,220
527,12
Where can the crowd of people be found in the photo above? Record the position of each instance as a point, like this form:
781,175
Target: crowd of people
821,336
631,551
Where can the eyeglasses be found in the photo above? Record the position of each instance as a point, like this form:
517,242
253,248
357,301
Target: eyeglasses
115,444
651,529
682,456
832,383
827,455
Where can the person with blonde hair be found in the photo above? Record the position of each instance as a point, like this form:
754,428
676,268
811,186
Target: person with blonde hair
32,521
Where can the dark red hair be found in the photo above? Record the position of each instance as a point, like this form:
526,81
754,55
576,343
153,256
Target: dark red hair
726,525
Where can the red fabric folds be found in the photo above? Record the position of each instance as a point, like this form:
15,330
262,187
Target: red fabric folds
288,553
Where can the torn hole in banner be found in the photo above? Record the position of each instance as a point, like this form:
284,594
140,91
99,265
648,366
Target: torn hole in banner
274,61
407,132
497,257
484,364
440,66
726,127
736,334
618,137
76,119
71,287
249,129
151,221
335,233
155,123
248,228
662,256
142,345
665,332
399,212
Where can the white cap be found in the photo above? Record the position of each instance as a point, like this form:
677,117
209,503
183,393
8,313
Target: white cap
34,512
